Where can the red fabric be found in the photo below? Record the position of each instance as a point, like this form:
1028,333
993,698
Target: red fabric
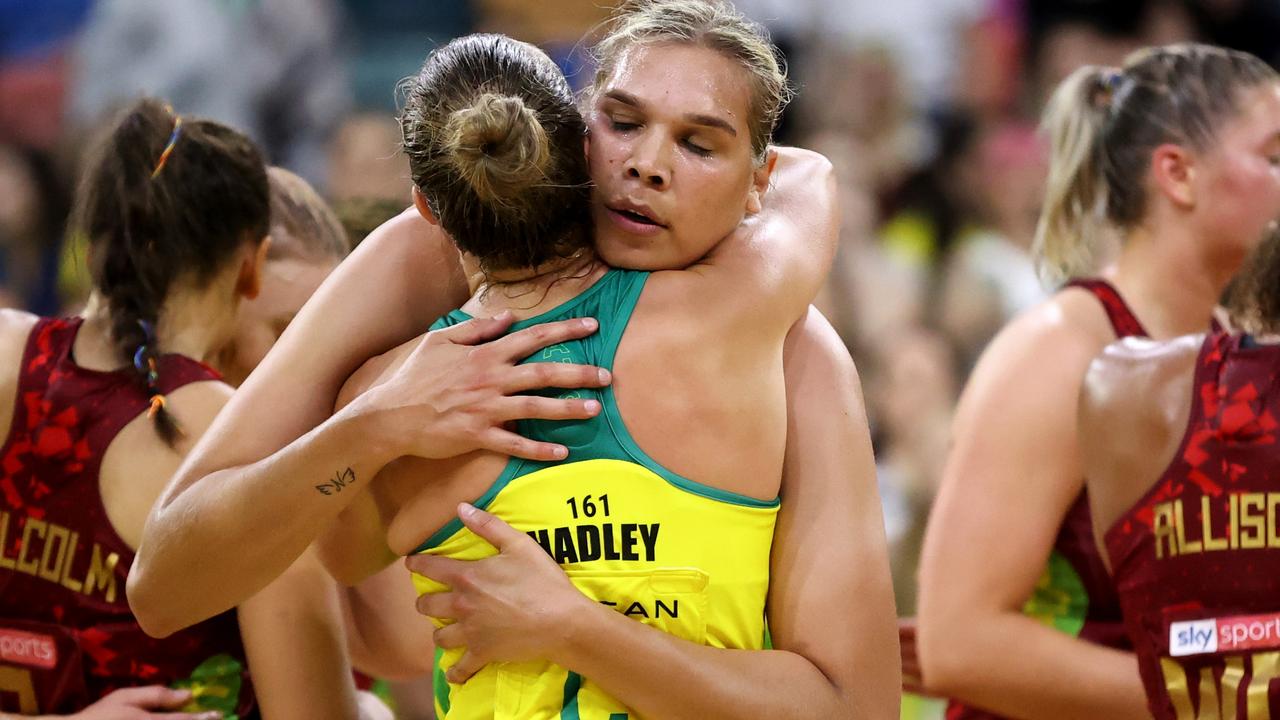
1229,450
62,565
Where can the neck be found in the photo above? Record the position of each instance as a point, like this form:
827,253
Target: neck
522,282
196,324
1168,280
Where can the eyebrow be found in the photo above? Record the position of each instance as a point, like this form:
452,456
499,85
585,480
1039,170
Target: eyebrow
694,118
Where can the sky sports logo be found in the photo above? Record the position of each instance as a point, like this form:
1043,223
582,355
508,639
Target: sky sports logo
31,649
1224,635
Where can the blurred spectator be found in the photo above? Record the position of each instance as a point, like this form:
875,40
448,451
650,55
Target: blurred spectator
34,40
862,97
563,28
935,204
270,68
924,36
365,158
33,207
389,39
990,275
914,401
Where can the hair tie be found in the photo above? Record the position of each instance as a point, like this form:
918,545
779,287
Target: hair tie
157,404
1109,84
168,149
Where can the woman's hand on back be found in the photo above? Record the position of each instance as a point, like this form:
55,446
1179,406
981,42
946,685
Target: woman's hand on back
452,395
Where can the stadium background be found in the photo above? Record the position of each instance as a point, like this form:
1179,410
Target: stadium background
926,107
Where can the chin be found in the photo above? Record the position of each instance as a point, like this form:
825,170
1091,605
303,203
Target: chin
632,257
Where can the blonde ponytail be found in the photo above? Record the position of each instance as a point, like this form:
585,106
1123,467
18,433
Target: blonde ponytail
1073,217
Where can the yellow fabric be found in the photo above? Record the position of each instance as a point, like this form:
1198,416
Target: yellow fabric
681,557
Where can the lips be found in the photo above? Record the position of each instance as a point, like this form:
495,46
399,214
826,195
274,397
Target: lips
636,213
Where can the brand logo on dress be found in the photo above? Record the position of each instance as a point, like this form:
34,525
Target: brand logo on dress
1224,635
30,649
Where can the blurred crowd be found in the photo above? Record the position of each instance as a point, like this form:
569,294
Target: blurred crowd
928,109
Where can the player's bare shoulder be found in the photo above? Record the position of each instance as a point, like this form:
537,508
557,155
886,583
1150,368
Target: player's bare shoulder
1139,380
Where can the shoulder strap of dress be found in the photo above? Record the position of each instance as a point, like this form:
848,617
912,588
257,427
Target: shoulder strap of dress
1123,320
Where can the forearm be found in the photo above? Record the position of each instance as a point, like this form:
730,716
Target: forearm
296,648
386,636
1014,665
660,675
192,562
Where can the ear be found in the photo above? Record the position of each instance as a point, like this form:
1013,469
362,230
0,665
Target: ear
760,182
586,145
424,207
1173,170
249,282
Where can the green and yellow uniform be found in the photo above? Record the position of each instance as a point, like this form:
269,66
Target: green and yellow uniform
677,555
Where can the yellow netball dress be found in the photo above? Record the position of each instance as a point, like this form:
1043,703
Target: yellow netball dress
679,556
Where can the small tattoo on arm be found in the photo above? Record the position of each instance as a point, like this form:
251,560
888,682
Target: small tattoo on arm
340,480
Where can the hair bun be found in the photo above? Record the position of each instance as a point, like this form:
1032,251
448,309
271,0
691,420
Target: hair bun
498,146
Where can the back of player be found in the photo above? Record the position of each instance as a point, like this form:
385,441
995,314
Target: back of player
1195,559
105,405
69,635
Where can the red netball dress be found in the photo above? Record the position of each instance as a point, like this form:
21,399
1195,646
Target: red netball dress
1197,560
67,636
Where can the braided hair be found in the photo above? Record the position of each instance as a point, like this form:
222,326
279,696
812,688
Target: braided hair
164,199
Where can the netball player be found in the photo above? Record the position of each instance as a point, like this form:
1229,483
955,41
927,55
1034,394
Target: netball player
817,520
1175,155
1179,450
104,406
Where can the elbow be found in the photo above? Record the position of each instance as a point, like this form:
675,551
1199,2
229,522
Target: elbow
147,606
945,667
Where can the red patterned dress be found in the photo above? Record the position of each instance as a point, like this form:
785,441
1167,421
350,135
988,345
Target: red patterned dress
1197,559
67,636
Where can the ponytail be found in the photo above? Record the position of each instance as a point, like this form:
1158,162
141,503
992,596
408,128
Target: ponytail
1073,217
1104,124
164,200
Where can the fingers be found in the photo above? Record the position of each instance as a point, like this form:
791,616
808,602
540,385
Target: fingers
152,697
474,331
523,343
463,670
532,407
209,715
440,569
538,375
490,527
508,443
437,605
449,637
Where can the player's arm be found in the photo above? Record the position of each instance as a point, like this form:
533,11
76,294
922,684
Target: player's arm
386,636
295,645
1012,474
831,637
782,252
292,630
277,466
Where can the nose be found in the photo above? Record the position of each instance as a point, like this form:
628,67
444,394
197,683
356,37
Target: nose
647,163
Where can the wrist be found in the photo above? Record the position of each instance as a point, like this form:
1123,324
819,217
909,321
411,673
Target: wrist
366,429
582,630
